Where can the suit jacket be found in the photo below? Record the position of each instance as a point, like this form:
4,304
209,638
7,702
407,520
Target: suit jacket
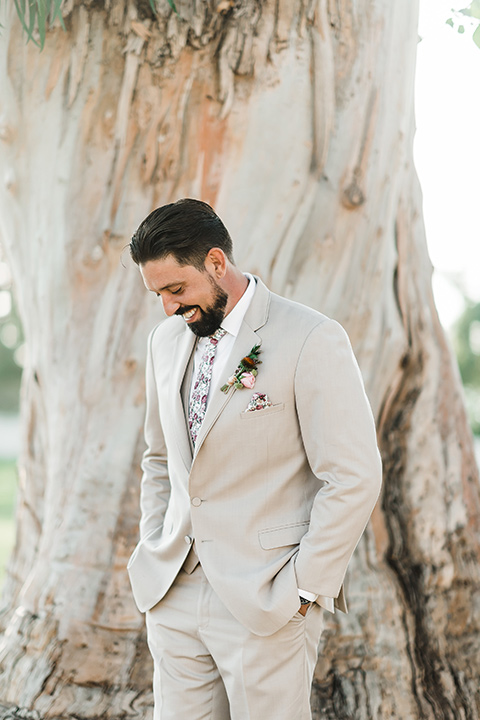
276,499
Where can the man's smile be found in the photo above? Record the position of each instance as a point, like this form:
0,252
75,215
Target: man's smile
189,314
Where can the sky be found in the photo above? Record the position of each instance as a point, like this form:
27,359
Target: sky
447,155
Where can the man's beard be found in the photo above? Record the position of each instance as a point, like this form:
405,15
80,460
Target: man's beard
210,318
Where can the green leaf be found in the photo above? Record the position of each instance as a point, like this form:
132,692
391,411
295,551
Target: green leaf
475,9
32,16
461,29
57,4
476,37
172,5
20,7
42,21
449,22
37,15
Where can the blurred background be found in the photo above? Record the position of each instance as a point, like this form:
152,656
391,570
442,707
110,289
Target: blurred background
447,109
446,157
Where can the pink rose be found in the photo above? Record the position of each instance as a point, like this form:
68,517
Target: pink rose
248,380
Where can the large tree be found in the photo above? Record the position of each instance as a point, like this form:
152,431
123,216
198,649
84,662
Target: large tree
294,118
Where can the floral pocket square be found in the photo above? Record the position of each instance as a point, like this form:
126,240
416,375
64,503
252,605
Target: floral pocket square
258,401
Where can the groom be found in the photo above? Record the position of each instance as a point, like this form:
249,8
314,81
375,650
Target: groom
260,474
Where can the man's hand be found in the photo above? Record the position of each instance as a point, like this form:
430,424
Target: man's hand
303,609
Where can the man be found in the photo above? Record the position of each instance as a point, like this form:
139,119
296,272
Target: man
260,474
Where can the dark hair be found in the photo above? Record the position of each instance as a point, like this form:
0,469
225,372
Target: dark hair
186,229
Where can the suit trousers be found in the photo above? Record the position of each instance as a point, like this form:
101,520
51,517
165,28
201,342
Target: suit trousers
208,666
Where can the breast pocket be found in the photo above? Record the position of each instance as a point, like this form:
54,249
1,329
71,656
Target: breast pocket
256,414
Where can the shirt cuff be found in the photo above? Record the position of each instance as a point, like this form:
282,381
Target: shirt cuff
327,603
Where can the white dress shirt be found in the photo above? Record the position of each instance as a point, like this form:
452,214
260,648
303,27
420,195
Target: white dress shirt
232,323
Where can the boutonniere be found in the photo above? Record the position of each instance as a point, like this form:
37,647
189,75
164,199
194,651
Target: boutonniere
246,372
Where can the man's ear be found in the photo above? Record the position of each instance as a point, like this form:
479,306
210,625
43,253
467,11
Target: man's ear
216,262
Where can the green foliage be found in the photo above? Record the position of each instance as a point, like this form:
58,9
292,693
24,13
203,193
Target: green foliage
467,348
10,379
467,344
37,15
11,342
476,37
472,11
472,404
8,488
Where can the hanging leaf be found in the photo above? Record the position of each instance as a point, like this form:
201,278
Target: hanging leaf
20,7
42,20
36,16
57,4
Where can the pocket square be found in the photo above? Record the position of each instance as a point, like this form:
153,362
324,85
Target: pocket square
258,401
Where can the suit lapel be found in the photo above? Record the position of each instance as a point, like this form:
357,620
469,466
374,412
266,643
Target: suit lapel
185,343
185,394
255,318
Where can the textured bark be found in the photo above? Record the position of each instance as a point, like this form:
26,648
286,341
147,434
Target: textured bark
295,120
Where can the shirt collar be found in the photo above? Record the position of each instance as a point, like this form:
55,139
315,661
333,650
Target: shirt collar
232,322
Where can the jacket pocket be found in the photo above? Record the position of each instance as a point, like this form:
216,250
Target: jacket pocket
282,536
261,413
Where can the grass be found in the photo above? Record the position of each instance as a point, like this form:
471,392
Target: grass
8,491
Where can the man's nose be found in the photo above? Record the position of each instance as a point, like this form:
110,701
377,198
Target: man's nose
170,305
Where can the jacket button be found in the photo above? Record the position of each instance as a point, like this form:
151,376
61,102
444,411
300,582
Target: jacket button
196,502
188,539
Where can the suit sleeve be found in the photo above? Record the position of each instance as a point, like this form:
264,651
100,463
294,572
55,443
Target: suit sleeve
155,487
338,433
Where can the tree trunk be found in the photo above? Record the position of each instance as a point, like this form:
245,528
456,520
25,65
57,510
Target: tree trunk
295,120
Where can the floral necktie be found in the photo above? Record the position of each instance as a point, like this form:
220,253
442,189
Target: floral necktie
198,400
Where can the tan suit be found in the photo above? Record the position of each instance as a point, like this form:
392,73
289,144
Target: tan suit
276,499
